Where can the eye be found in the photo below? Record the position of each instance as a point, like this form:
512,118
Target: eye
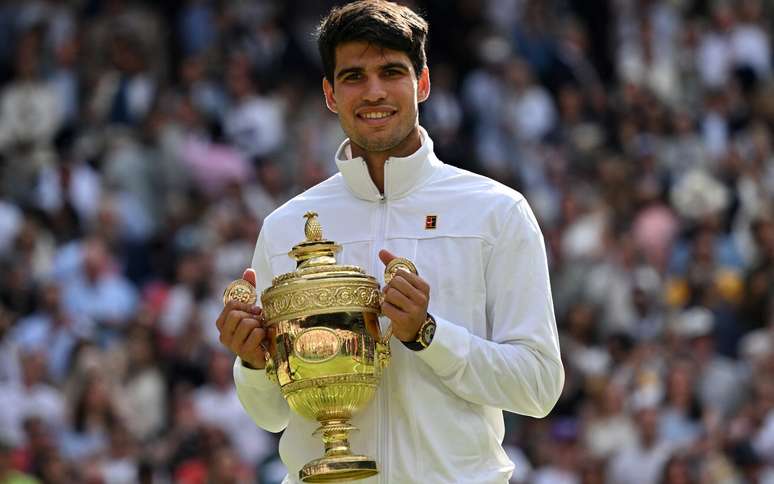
353,76
393,72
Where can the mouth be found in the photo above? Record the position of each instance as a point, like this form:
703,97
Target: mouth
376,117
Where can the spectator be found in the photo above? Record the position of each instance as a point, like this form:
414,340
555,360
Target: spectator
92,413
99,292
609,428
144,388
644,461
9,350
254,123
30,116
53,330
124,94
31,397
217,404
680,421
720,384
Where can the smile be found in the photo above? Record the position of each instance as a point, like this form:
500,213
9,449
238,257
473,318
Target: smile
376,115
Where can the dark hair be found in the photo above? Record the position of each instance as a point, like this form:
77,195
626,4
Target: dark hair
385,24
81,410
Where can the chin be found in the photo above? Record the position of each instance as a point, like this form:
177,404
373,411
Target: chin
384,141
381,147
375,143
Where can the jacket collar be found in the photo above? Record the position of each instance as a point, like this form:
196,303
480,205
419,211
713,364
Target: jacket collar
401,175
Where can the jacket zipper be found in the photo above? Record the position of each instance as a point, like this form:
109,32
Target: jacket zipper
383,416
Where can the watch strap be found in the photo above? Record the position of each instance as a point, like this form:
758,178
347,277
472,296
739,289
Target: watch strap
417,344
413,345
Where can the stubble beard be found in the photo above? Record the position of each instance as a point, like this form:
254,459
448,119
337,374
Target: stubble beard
377,144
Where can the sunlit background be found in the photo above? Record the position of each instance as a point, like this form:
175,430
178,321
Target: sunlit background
143,143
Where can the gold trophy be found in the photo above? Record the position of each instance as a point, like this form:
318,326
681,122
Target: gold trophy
326,350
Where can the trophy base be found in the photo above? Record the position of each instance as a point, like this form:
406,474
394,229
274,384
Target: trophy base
338,468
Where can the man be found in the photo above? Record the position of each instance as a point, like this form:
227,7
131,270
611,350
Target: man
483,282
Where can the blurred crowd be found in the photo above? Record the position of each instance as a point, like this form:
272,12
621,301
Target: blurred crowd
142,143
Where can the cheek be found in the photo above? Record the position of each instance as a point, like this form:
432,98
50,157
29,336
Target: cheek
343,95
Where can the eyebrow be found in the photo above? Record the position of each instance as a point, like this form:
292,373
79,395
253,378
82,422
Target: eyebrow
359,69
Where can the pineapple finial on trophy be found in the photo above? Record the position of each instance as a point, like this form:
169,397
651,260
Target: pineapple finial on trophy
314,251
312,228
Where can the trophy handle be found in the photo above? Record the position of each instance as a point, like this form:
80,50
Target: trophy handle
383,353
387,335
392,268
271,370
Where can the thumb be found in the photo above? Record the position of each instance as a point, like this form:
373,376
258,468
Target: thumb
249,276
386,256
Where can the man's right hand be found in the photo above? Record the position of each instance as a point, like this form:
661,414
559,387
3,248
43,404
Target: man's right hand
242,331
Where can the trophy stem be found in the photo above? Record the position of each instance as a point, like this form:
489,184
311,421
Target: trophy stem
338,464
335,436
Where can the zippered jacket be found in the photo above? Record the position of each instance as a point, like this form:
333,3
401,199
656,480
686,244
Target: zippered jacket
437,415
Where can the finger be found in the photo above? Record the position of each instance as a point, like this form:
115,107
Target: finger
249,276
232,321
235,306
221,319
395,314
243,330
253,350
412,292
414,280
253,343
257,311
386,256
399,300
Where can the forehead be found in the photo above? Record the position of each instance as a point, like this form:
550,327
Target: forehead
367,55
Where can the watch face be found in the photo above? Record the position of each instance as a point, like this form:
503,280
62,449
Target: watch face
427,333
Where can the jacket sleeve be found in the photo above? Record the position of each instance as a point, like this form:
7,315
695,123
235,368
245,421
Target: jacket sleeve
520,368
261,398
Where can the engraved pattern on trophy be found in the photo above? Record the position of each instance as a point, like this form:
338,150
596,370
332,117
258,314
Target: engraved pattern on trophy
330,296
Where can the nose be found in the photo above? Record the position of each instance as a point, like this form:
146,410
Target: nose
374,90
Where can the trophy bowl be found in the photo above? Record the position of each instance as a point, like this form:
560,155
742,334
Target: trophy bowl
325,348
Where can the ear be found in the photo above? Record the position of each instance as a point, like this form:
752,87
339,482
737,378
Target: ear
330,98
423,85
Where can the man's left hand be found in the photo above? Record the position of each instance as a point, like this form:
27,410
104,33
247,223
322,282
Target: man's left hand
406,298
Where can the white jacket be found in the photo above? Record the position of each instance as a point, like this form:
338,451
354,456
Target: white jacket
437,416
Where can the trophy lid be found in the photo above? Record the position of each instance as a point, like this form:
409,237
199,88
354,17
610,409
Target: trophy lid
319,285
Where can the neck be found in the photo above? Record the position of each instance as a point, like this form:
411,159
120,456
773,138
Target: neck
375,164
375,160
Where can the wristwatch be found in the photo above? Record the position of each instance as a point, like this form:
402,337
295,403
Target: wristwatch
424,336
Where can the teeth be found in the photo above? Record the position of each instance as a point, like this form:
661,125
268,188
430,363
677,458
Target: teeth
376,115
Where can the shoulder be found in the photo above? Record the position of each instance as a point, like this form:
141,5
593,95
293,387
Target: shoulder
461,204
482,198
477,188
